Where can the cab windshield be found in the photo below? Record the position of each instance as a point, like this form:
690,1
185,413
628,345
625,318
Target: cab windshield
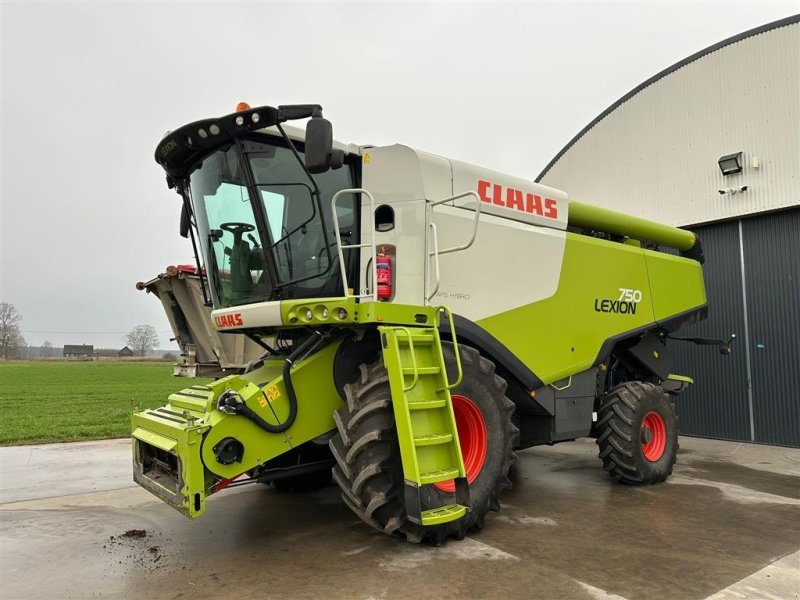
263,235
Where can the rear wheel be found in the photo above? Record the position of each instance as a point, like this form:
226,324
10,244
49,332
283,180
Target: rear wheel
637,430
369,469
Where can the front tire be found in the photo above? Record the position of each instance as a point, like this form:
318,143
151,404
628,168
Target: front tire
637,430
369,469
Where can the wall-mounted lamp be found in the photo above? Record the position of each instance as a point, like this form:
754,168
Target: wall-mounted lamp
730,163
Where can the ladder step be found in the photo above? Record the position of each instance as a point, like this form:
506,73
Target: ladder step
444,514
437,476
433,439
419,339
426,404
422,370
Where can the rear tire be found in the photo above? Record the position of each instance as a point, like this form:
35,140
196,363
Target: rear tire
637,430
369,469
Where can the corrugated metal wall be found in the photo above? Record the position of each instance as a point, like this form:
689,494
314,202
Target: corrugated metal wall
767,349
772,273
655,155
717,404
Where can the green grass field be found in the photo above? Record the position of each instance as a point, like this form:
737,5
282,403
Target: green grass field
64,401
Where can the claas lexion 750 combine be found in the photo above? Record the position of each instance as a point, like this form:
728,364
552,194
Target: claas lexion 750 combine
421,319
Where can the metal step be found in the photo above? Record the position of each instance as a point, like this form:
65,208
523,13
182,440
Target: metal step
433,439
420,339
427,404
438,476
422,370
443,514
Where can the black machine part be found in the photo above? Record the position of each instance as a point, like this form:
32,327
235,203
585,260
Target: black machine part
647,355
228,451
724,346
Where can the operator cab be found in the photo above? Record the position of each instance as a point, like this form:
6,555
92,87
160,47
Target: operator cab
262,220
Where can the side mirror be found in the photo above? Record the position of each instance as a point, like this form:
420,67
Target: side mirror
320,155
185,223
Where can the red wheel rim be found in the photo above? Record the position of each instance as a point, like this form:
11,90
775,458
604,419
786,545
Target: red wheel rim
654,448
472,437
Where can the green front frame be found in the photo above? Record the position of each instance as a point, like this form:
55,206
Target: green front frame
189,426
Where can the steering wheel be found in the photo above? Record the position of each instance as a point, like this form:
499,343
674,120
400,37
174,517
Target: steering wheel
237,229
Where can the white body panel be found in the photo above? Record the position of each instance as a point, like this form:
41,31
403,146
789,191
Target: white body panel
511,197
403,178
509,265
260,314
517,255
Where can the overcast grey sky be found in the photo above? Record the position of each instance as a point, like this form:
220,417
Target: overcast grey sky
88,89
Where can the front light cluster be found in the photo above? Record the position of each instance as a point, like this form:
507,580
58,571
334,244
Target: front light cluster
318,314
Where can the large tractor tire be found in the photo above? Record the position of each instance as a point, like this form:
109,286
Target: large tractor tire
637,429
369,469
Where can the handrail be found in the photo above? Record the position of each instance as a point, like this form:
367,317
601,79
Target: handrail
474,222
435,254
414,368
340,249
457,382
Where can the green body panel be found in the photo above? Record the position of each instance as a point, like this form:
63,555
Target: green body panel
426,426
683,378
189,426
177,429
676,284
563,334
293,311
609,221
317,398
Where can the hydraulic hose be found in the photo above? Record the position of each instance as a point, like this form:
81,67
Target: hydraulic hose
230,402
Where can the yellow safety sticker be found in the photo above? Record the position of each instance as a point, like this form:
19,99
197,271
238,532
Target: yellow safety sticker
273,393
262,402
367,158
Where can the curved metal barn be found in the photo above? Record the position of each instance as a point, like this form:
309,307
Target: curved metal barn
712,143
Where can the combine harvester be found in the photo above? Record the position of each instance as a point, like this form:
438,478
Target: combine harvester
419,319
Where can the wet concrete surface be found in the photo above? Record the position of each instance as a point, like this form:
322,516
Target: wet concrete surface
74,526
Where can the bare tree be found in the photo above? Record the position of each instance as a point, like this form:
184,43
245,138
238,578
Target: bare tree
11,340
47,349
142,339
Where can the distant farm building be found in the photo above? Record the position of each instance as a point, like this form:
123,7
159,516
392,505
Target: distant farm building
78,351
125,352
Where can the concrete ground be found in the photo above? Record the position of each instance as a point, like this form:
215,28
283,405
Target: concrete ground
726,525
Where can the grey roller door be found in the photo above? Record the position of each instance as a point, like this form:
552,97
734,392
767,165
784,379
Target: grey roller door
717,404
772,277
720,405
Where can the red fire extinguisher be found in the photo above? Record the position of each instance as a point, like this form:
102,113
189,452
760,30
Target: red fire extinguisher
383,264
